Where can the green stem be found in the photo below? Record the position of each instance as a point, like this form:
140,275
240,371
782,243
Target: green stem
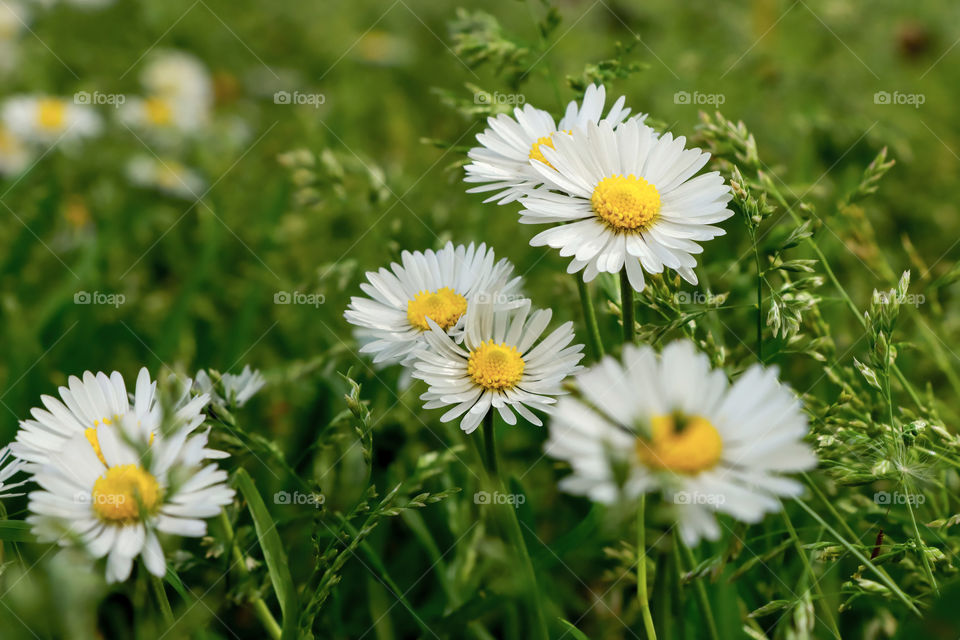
626,307
162,600
884,578
702,599
806,564
590,318
756,254
259,606
642,594
489,444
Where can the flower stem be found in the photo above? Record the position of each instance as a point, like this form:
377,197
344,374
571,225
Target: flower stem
259,606
510,523
806,564
756,254
489,444
590,318
626,307
702,599
642,595
162,600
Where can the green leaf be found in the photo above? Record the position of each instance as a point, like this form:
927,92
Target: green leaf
573,631
15,531
273,553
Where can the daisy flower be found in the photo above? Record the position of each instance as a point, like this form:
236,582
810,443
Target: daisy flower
48,120
626,199
9,467
179,77
502,364
166,176
115,497
437,286
97,400
511,147
670,424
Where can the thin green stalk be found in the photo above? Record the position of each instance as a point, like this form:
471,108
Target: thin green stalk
806,564
626,307
884,578
511,523
489,444
642,594
756,254
259,606
590,318
162,600
709,622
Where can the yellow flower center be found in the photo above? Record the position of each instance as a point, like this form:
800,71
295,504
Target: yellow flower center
8,143
125,493
444,306
158,111
628,204
51,114
536,153
681,444
495,366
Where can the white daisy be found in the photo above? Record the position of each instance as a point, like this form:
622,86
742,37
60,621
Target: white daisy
510,147
161,115
49,119
627,199
116,498
501,365
166,176
430,285
94,401
670,424
179,78
9,467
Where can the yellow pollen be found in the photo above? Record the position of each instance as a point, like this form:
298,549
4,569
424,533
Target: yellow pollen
158,111
444,306
537,154
495,366
51,114
681,444
124,493
91,434
626,204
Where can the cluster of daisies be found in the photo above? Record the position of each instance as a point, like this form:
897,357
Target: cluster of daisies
115,472
176,107
620,198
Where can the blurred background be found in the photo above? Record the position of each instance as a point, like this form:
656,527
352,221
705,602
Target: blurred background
334,137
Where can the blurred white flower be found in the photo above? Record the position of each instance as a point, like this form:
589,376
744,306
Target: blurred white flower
114,498
15,155
97,400
50,119
9,467
167,176
237,389
671,424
